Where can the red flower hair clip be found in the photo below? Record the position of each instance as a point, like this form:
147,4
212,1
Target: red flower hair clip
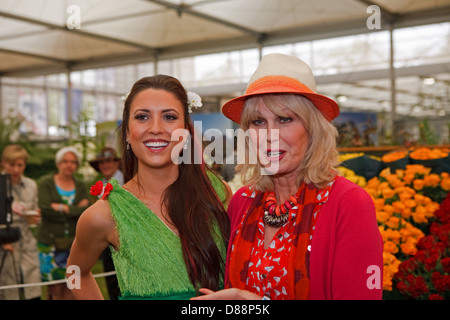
98,189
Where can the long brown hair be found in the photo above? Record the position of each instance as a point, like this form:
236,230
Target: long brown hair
192,204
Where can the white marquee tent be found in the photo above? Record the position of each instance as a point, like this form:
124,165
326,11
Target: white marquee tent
39,37
48,36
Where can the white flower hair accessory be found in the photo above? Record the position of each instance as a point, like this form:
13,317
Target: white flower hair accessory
124,97
194,101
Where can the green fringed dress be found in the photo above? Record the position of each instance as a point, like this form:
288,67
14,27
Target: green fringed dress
149,263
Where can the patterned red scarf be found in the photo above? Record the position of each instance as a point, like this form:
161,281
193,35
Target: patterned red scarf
310,201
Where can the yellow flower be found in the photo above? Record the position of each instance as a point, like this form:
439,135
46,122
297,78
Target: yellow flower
430,208
385,172
379,203
409,247
351,175
383,185
431,180
373,183
445,183
406,193
400,173
372,192
417,168
392,235
382,216
406,213
418,184
388,193
394,156
419,215
409,230
404,196
382,232
428,153
347,156
398,206
394,181
410,203
408,178
410,191
393,222
390,267
420,198
388,208
390,247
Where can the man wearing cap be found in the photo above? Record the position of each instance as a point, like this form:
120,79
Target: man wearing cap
107,164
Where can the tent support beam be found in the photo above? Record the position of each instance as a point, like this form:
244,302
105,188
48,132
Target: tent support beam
392,78
69,103
182,8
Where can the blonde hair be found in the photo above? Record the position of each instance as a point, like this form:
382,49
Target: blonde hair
14,152
321,157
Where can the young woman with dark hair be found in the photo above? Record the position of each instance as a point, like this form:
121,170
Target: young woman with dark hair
167,225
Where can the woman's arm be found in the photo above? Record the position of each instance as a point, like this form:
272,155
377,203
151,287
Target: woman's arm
93,234
227,294
357,271
47,195
82,200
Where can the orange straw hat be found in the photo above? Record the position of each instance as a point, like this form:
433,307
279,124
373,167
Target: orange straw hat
279,73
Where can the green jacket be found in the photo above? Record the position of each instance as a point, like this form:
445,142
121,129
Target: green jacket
53,222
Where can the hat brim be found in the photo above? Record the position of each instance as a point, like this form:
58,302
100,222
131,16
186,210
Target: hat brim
328,107
95,163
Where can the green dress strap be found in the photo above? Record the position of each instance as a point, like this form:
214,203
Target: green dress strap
219,187
149,263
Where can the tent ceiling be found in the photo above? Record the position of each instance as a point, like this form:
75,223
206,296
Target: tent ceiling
35,39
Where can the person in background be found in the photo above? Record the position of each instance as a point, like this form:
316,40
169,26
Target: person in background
299,229
167,225
108,165
62,199
26,215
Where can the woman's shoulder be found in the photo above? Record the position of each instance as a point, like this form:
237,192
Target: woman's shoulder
29,182
345,192
245,192
243,195
241,201
97,216
342,186
48,178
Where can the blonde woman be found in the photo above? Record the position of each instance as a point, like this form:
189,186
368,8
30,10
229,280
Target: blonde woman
298,229
25,253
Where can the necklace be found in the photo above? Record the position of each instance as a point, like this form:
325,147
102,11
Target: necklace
277,215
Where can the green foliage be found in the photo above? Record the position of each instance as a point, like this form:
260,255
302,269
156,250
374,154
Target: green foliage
41,161
427,134
9,129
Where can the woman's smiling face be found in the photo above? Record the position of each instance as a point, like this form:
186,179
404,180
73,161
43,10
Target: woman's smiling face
154,115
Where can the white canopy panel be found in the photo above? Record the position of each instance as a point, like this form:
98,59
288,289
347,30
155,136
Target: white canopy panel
48,36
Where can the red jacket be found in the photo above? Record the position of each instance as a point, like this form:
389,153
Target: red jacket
347,248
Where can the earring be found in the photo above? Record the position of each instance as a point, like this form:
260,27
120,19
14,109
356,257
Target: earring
128,144
186,143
